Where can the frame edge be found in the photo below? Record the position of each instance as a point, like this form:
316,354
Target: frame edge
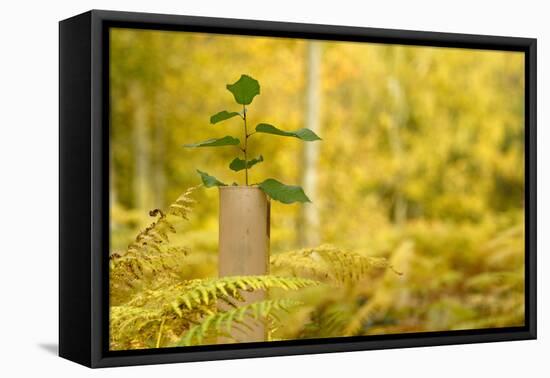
97,20
75,337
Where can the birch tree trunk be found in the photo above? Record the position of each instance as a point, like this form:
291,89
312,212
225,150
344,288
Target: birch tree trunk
308,219
398,120
140,139
159,176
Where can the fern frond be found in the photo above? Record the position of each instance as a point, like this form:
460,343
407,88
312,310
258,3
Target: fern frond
156,234
329,320
384,290
149,254
124,317
327,263
137,327
196,298
184,304
129,326
183,205
206,291
222,323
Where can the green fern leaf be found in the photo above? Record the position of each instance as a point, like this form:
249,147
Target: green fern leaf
213,325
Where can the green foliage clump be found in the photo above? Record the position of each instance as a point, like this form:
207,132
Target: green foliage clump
244,90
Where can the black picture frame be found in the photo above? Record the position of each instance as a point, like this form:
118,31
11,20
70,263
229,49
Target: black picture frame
84,197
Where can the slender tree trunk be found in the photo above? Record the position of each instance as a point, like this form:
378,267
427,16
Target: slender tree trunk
159,176
394,135
308,220
142,197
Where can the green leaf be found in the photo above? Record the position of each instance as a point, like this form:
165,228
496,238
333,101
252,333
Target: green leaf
304,134
238,164
283,193
244,90
209,181
222,116
216,142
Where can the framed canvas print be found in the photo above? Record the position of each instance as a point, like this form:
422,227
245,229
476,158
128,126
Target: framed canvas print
235,188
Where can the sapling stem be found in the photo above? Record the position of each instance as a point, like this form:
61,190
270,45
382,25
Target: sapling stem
245,146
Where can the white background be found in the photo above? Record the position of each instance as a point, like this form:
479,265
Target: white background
29,186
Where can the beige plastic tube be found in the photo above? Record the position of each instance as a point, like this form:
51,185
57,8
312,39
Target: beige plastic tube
244,248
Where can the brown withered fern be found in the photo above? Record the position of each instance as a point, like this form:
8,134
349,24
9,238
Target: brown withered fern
150,254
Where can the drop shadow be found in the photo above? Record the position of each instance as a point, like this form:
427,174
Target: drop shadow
51,348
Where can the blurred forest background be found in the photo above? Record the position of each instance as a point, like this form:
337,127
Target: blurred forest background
422,163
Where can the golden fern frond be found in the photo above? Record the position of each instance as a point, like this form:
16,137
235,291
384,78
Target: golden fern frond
156,234
327,263
130,327
153,236
134,327
147,265
183,305
329,320
199,296
149,254
205,291
385,289
182,207
222,323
